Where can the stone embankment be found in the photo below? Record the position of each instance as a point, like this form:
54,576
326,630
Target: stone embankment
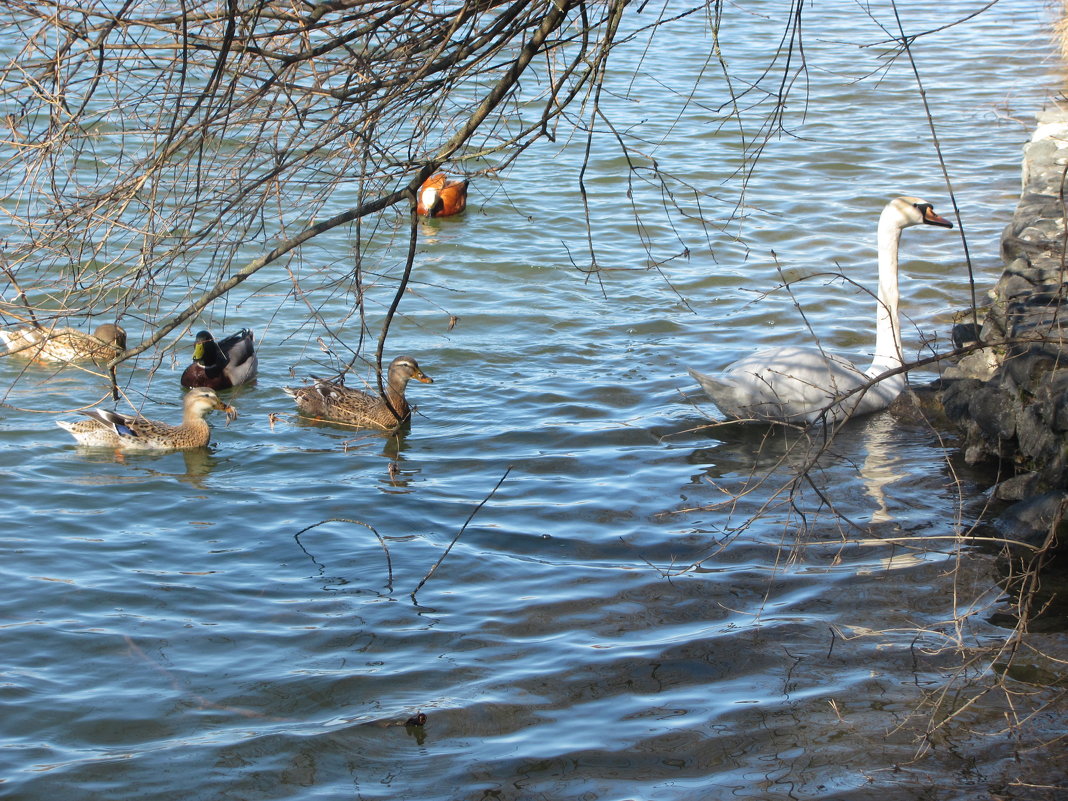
1010,398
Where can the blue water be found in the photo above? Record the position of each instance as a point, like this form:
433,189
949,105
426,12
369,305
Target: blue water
590,594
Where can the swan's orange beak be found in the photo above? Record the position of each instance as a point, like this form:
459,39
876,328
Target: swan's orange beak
931,218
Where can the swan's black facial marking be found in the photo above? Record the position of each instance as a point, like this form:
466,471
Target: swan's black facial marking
929,216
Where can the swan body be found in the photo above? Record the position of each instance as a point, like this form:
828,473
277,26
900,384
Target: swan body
795,384
106,428
66,344
221,364
329,400
439,197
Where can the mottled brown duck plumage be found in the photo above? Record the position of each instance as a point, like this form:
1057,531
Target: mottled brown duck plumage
328,400
107,428
66,344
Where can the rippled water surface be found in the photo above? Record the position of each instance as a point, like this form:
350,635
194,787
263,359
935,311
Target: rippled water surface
643,608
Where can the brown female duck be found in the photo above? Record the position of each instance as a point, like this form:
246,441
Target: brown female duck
332,401
106,428
66,344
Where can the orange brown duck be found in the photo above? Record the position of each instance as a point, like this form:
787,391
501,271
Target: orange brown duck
440,197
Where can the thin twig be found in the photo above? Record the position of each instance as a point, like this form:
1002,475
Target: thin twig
460,532
905,44
382,542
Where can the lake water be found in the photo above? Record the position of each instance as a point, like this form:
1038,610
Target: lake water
643,607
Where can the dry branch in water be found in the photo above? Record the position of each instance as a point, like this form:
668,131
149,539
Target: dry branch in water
459,533
382,542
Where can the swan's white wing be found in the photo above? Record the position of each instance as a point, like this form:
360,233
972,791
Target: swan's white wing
795,385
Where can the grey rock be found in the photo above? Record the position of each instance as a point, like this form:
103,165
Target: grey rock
1011,404
1030,520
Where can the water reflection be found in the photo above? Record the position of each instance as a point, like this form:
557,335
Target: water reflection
821,488
395,478
306,536
881,466
198,463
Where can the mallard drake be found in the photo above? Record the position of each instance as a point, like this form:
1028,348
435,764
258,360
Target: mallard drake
332,401
66,344
439,197
222,364
106,428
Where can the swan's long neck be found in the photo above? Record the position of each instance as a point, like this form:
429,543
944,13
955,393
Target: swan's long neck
887,329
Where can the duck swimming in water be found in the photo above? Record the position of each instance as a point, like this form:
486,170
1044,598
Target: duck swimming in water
223,364
439,197
332,401
66,344
106,428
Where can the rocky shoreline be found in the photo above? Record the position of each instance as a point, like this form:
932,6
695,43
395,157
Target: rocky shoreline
1009,395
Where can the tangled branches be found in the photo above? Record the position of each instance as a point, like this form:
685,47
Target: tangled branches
154,160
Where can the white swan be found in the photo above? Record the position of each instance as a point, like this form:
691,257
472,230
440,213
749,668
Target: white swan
795,384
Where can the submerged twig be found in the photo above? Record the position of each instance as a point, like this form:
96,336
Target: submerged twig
456,539
382,542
